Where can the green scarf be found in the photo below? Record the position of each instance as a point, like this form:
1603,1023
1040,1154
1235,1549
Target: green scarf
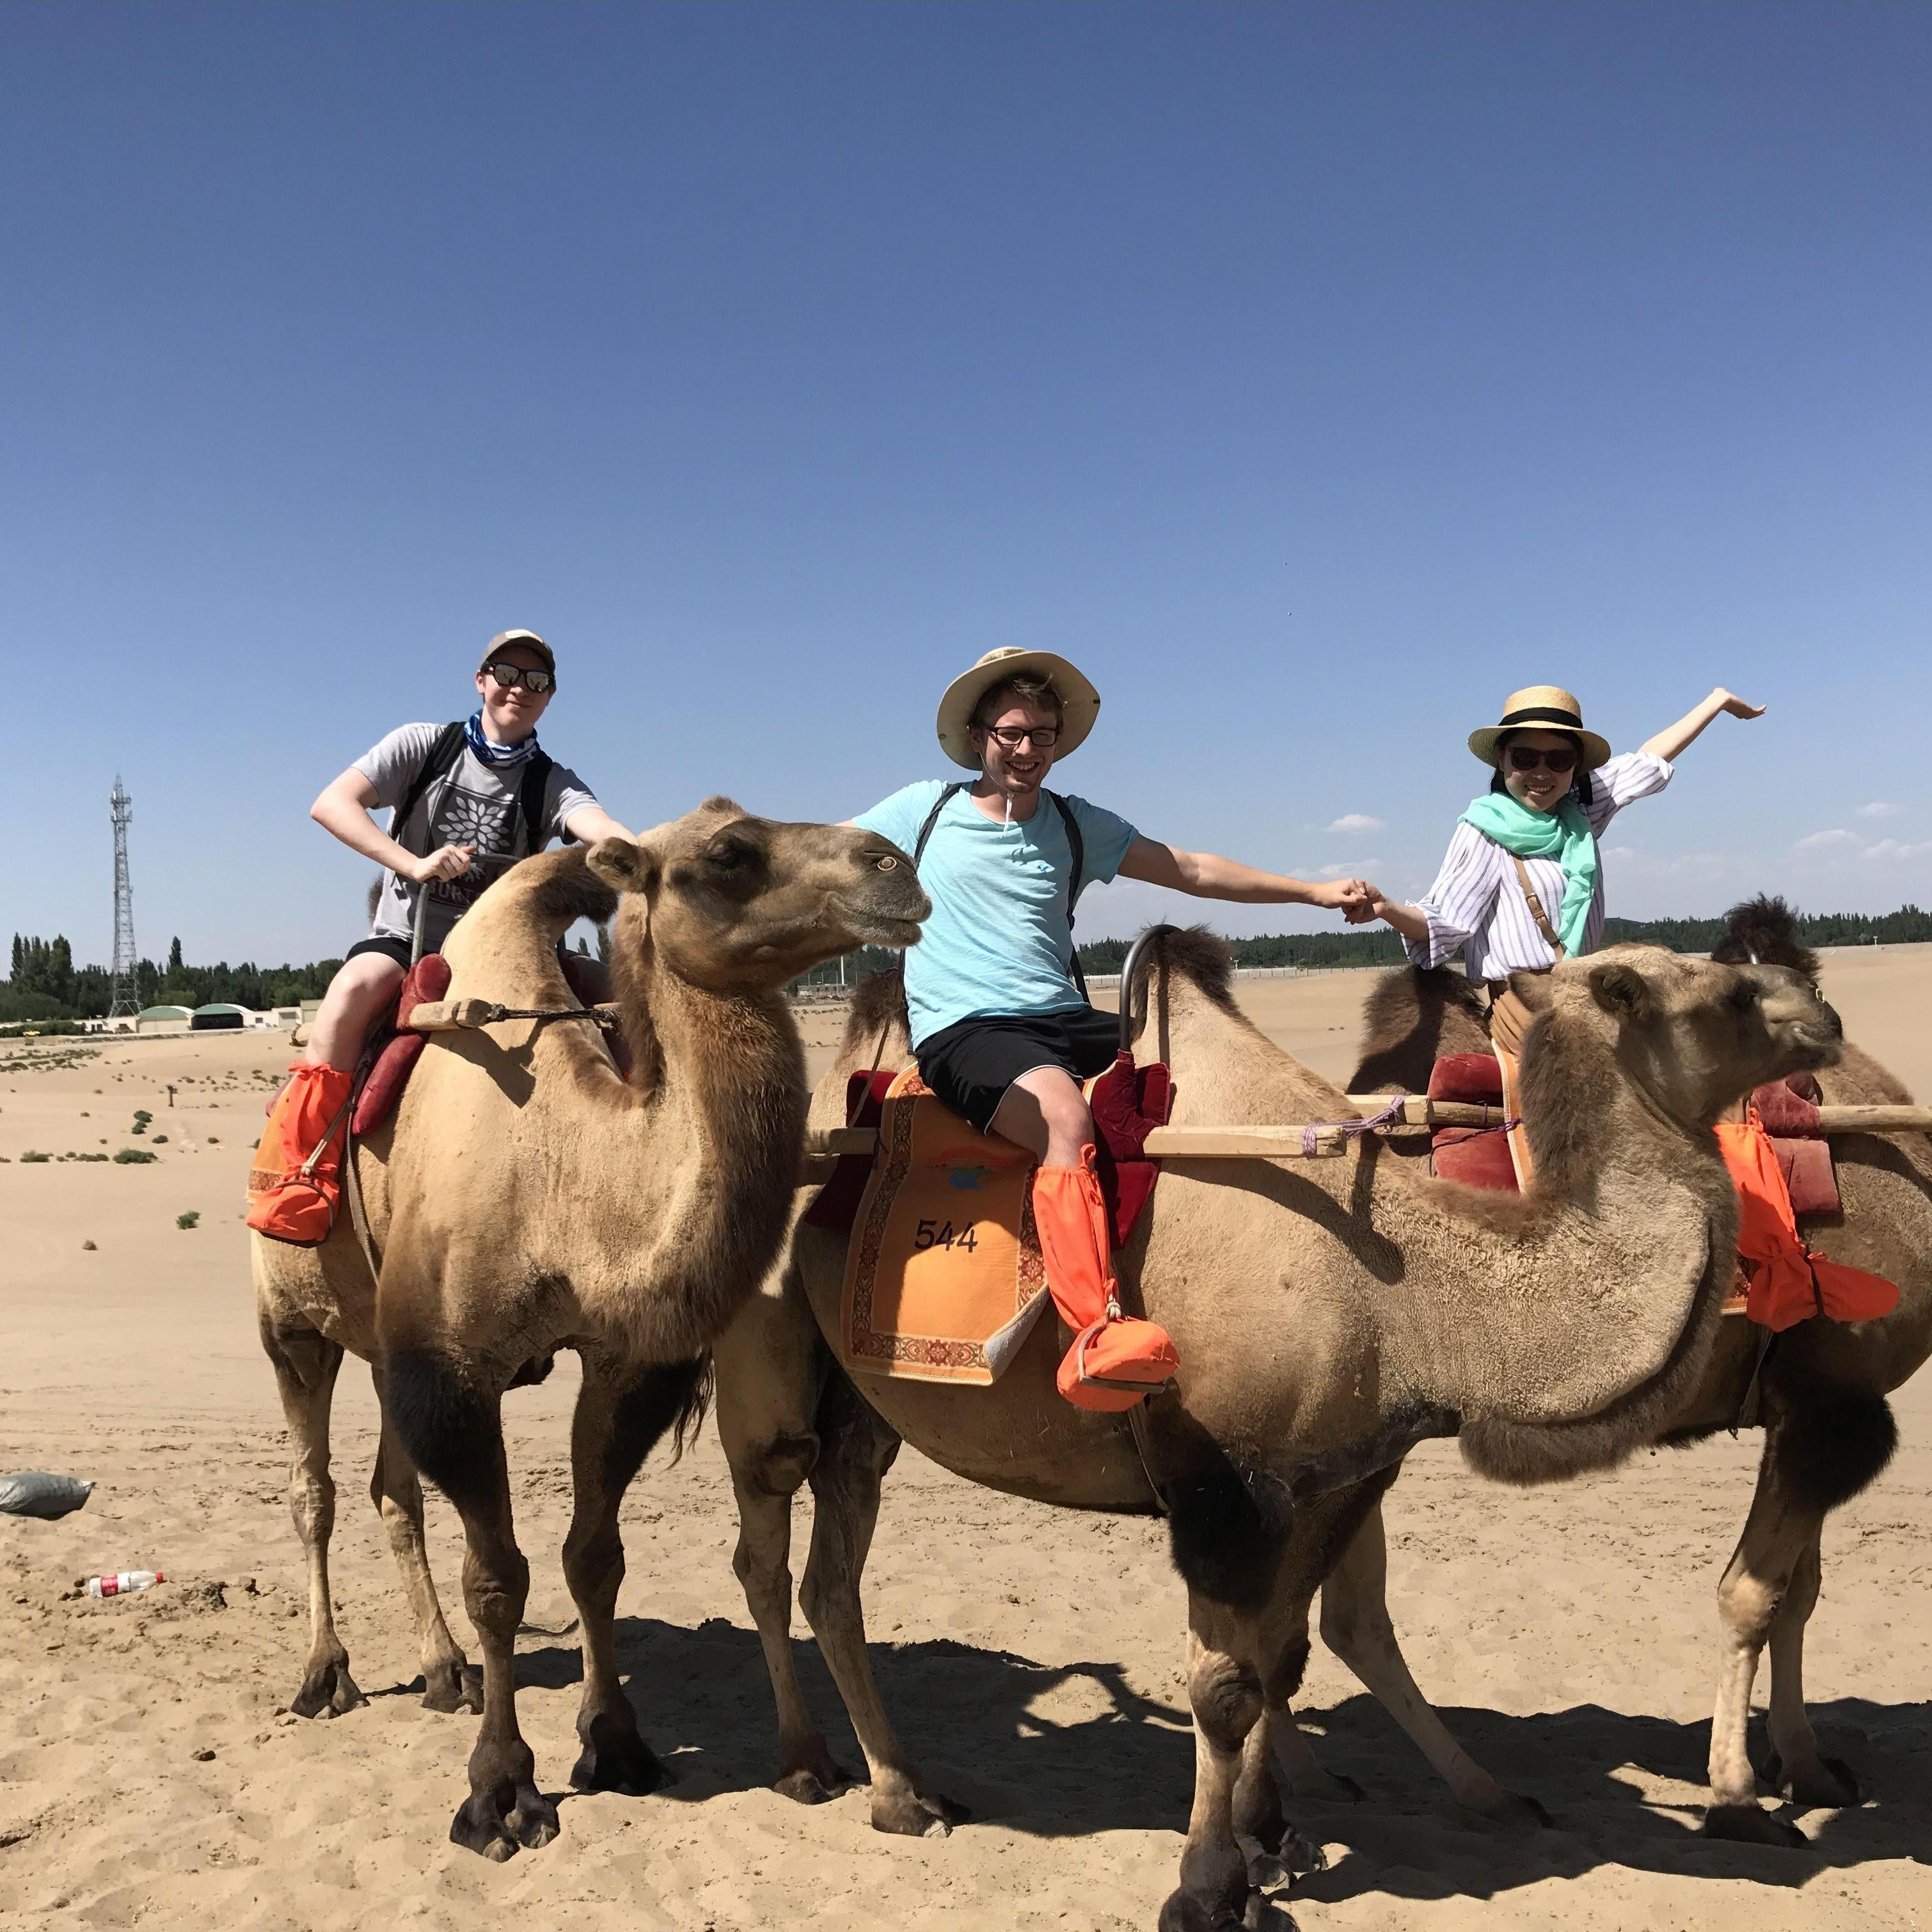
1563,834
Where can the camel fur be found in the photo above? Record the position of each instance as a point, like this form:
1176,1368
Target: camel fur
526,1198
1828,1431
1372,1305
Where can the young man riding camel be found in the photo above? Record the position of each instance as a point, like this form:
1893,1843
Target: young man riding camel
1002,1033
461,798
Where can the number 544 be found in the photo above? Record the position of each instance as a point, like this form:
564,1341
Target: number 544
942,1234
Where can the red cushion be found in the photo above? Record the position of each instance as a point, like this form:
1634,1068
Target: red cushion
427,979
1473,1077
1785,1112
1807,1165
1474,1157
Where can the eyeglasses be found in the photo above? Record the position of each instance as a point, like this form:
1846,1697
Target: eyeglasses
1527,757
510,676
1013,737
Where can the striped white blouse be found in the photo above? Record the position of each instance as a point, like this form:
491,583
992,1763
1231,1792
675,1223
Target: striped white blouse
1476,900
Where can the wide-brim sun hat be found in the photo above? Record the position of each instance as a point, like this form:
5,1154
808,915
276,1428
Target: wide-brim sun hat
528,639
1079,702
1542,707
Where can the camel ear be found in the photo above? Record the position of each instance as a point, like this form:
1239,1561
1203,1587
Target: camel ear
1620,990
1533,990
625,864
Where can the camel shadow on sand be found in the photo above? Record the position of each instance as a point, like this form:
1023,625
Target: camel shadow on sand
1065,1750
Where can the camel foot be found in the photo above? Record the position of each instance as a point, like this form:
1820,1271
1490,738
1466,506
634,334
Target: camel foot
1510,1812
1278,1866
453,1687
327,1691
811,1775
1187,1911
908,1815
498,1823
1829,1783
615,1758
1752,1825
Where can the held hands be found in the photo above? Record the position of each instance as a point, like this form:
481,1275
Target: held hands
446,861
1344,896
1372,905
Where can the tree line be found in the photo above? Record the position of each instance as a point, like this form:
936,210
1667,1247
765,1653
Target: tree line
43,983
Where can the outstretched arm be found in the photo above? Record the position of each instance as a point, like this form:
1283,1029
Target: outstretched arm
1206,875
1674,738
589,823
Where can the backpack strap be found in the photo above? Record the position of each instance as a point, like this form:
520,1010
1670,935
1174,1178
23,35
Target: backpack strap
533,795
442,761
932,819
1076,880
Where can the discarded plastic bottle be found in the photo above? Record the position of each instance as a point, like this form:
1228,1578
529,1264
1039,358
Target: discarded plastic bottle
123,1582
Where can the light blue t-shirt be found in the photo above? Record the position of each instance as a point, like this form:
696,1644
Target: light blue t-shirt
1001,931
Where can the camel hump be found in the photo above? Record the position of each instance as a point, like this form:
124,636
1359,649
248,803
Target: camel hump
1414,1016
549,888
1763,932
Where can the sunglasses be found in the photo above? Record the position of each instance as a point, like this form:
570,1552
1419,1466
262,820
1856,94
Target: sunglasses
1013,737
1527,757
510,676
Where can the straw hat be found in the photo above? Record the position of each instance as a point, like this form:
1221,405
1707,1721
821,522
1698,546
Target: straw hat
1079,702
1542,707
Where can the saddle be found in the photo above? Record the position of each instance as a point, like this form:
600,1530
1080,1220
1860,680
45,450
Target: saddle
944,1278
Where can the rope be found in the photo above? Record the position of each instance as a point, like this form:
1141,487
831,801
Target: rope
1389,1117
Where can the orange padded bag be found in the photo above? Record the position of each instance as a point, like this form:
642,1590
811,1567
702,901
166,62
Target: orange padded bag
295,1183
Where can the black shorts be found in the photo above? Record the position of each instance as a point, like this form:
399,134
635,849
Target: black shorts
397,949
970,1064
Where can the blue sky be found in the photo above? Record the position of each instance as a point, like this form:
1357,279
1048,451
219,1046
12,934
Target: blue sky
1312,376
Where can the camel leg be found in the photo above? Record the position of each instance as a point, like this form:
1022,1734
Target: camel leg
1225,1691
856,1448
1357,1626
1798,1764
622,1411
770,1374
1762,1572
451,1682
305,1363
451,1428
1306,1774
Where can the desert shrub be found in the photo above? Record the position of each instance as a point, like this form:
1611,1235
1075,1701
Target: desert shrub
134,1157
191,1219
161,1140
34,1155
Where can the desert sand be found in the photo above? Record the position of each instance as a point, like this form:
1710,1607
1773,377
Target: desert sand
150,1776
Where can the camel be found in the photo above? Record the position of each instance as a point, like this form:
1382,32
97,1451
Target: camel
1828,1432
526,1198
1373,1307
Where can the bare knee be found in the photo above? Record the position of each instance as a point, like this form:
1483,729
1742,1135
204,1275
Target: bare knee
1046,1112
357,994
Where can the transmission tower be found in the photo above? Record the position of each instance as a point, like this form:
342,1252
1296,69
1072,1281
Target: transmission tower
125,1001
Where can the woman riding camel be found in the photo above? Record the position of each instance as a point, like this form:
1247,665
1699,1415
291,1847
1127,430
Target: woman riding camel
1521,885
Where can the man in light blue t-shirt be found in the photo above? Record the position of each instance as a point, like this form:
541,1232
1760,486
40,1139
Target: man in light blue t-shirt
1002,1033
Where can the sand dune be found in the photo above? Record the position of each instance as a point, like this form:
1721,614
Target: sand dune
149,1776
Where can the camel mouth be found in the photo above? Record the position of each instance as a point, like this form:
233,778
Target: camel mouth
878,928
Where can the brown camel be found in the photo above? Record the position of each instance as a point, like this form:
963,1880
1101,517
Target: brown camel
1821,1385
526,1198
1329,1314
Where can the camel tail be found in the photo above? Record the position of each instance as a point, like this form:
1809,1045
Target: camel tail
1831,1440
1414,1015
697,1404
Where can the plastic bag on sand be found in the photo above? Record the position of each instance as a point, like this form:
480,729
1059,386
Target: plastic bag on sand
34,1493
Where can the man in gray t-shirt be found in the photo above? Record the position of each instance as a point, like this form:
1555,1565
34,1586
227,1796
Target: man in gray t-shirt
458,829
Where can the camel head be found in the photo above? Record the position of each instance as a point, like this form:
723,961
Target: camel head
734,903
1694,1035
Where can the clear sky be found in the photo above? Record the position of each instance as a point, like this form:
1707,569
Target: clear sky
1312,376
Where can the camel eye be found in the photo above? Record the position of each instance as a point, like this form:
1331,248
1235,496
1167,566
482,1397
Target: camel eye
888,863
730,855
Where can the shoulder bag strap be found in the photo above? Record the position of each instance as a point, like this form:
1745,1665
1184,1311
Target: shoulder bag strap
532,797
441,761
1536,911
1078,846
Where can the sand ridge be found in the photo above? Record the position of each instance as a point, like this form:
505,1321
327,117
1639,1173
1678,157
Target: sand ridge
149,1775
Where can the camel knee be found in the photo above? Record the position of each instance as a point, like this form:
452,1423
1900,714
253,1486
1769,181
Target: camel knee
312,1501
1748,1606
495,1594
594,1564
780,1466
1226,1697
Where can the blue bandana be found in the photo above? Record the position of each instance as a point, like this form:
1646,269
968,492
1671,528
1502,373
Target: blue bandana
497,756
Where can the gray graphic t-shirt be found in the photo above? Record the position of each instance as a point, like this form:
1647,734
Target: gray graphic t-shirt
476,804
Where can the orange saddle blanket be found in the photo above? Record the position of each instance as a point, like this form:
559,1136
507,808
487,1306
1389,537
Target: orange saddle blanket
944,1279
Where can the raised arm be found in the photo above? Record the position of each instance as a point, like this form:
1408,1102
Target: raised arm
343,809
1673,739
589,823
1206,875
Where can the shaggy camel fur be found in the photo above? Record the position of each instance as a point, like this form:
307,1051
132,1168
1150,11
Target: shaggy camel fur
526,1198
1828,1431
1374,1306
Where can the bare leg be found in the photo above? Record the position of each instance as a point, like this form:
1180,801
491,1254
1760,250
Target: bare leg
305,1363
1775,1541
359,991
1357,1626
451,1682
622,1410
1046,1112
856,1449
770,1369
452,1428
